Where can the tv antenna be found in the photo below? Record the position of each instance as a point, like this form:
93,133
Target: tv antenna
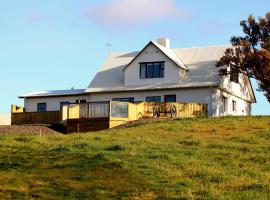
109,47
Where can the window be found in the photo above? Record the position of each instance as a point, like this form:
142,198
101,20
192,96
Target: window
224,104
153,99
234,76
233,105
41,107
62,104
80,101
152,70
129,99
119,110
170,98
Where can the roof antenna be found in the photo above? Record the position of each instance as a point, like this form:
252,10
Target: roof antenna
109,47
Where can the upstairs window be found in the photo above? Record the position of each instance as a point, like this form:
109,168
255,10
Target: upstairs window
234,76
152,70
153,99
41,107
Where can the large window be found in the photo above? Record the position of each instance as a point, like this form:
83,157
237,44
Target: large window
153,99
151,70
41,107
129,99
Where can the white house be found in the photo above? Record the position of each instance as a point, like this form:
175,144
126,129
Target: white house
159,73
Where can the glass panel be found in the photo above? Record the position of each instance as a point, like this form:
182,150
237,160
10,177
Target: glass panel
119,110
157,99
143,71
97,110
153,99
41,107
170,98
150,69
62,104
161,70
117,99
156,70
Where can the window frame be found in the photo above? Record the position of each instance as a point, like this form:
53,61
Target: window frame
151,65
147,98
41,110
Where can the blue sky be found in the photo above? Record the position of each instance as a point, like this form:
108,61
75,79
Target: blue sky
59,44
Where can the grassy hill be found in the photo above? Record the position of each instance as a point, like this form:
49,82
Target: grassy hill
223,158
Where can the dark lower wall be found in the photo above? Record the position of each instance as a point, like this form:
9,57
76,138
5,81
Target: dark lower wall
86,125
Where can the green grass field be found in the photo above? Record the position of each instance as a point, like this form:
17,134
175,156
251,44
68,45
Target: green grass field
223,158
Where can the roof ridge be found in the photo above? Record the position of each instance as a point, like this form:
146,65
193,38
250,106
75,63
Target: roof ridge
196,47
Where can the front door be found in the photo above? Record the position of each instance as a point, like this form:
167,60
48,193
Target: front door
170,98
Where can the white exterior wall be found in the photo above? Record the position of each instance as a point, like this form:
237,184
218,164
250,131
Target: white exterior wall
172,73
53,103
203,95
239,89
242,107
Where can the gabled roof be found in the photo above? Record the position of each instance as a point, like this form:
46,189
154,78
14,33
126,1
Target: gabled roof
200,62
167,52
53,93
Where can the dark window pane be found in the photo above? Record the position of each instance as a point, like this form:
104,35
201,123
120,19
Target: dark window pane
234,76
153,99
170,98
124,99
62,104
156,70
116,99
161,70
150,69
41,107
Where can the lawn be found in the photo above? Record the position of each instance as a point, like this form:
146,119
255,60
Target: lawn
204,158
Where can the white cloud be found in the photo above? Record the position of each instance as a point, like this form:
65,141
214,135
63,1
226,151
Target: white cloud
127,13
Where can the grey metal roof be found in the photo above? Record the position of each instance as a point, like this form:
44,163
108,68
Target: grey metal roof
200,61
54,93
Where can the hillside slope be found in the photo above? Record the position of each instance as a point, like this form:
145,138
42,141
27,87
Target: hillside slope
223,158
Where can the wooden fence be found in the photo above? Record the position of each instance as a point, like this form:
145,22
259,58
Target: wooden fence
52,117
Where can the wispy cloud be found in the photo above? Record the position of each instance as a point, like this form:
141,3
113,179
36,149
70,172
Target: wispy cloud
36,17
127,13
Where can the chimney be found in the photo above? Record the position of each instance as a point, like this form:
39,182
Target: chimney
164,42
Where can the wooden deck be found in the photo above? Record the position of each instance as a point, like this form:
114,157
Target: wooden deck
96,116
